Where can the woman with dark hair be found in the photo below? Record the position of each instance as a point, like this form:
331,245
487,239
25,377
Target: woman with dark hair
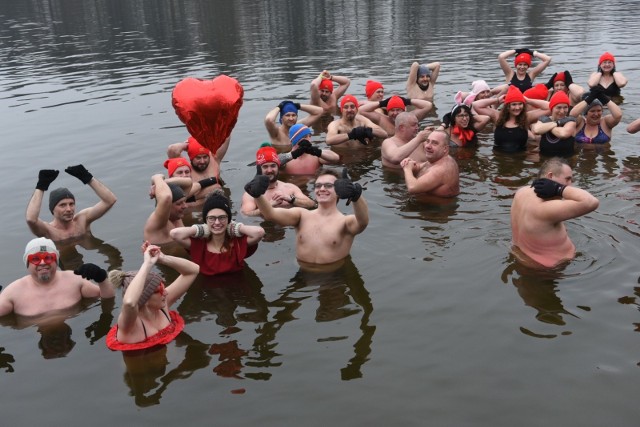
523,76
511,122
595,128
610,80
220,245
462,126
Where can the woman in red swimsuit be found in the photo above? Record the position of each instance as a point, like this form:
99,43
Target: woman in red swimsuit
145,320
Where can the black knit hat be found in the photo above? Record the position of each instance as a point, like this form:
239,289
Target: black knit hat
216,200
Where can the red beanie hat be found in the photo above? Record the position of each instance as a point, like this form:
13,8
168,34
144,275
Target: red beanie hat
326,84
523,57
539,91
396,102
348,98
371,87
606,57
558,98
175,163
267,154
513,95
195,149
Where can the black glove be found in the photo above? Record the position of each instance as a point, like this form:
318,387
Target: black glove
563,121
91,272
314,151
568,80
359,133
207,182
297,105
549,84
384,102
283,103
446,120
257,186
304,145
45,178
345,189
603,98
590,96
524,50
298,151
79,172
547,189
544,119
406,101
368,133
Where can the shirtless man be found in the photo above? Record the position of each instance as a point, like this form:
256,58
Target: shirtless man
179,170
66,223
280,194
170,207
439,175
394,105
205,166
422,80
323,236
374,91
308,158
46,288
288,112
352,129
407,142
323,94
538,212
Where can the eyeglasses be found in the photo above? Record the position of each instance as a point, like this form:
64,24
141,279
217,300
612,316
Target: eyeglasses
463,116
221,218
38,257
160,289
319,185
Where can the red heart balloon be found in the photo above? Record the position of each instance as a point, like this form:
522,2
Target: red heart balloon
209,108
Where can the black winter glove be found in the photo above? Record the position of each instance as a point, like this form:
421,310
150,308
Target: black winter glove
524,50
314,151
91,272
547,189
257,186
384,102
568,80
563,121
603,98
407,101
207,182
346,189
283,103
549,84
45,178
544,119
304,145
590,96
446,120
297,105
79,172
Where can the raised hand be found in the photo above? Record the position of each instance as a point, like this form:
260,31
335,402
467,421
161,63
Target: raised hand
45,178
79,172
346,189
257,186
547,189
91,272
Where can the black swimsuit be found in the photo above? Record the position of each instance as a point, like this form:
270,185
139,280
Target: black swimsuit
523,84
510,140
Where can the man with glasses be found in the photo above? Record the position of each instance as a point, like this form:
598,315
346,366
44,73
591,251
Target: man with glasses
323,236
46,288
279,194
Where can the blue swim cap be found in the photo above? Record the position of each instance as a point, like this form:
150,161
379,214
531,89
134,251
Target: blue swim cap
288,107
297,132
423,70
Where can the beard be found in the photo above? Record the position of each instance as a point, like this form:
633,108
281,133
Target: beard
423,87
200,167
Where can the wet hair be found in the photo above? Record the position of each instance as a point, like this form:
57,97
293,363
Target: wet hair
521,119
553,165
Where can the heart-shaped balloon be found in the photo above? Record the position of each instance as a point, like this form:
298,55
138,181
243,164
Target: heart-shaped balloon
209,108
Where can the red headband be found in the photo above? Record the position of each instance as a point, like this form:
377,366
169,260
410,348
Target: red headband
175,163
606,57
513,95
348,98
396,102
523,57
326,84
267,154
195,149
371,87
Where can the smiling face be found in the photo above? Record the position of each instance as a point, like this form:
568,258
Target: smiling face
321,190
560,111
463,119
436,146
515,108
270,170
42,269
289,119
607,66
560,86
200,163
594,115
521,68
217,221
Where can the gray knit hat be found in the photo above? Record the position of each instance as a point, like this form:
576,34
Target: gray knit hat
123,278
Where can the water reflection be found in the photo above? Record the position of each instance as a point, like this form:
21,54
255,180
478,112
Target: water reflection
146,370
6,360
539,290
71,258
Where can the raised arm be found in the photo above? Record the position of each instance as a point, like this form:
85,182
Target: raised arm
188,272
160,216
435,71
90,271
254,233
256,189
504,65
483,107
270,122
545,60
343,85
182,235
634,126
421,108
314,111
175,150
36,225
575,202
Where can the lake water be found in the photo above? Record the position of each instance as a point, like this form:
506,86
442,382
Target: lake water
430,322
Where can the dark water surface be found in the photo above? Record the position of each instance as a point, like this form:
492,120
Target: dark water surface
431,321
